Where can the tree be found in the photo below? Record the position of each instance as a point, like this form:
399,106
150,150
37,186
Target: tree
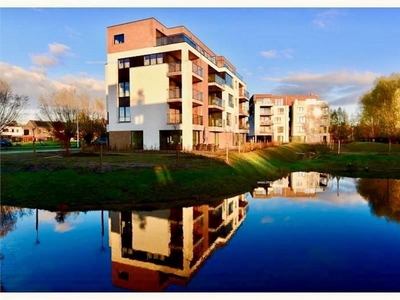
383,196
11,105
92,121
380,108
340,128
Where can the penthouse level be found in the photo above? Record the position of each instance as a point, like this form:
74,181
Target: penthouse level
164,86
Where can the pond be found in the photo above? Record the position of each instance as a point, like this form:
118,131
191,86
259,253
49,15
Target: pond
308,232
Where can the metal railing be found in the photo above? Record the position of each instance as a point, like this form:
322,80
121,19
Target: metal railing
175,67
174,118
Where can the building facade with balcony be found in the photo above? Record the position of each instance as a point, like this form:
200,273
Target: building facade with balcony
288,118
164,86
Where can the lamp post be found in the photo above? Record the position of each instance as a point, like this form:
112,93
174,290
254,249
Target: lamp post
77,131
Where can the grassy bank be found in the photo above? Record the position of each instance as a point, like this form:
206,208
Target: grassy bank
154,180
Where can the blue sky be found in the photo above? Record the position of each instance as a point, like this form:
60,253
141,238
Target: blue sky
333,52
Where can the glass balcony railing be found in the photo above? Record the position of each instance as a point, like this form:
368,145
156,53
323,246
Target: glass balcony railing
216,78
216,101
197,70
244,93
174,118
244,126
197,119
216,122
197,95
175,93
175,67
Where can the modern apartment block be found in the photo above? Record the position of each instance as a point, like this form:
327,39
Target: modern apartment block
164,85
152,249
288,118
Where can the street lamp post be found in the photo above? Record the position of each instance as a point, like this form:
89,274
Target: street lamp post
77,132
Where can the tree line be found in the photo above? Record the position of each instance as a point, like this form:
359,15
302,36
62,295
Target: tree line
377,117
66,110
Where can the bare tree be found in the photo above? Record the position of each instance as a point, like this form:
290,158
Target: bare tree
11,104
61,108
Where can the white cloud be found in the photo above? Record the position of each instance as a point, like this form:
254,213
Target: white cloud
326,18
58,49
72,33
340,87
35,82
267,220
44,60
270,54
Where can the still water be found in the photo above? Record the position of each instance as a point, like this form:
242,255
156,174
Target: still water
307,232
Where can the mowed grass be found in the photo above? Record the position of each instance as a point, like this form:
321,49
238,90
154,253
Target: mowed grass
154,179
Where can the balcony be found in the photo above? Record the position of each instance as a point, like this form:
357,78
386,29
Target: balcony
197,73
266,112
215,103
264,130
174,118
174,95
266,122
244,126
243,111
243,95
216,125
197,97
216,83
197,119
175,71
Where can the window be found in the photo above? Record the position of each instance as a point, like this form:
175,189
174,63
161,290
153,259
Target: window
300,129
302,119
230,100
124,114
123,63
278,101
278,120
228,119
300,109
119,39
26,131
281,111
280,129
153,59
266,100
229,80
124,89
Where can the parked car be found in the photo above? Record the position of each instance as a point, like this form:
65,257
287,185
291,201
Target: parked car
100,141
5,143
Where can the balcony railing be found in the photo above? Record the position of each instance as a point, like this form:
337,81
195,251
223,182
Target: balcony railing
243,111
175,93
216,101
175,67
197,95
244,126
244,93
174,118
217,79
266,122
262,130
197,119
216,122
265,111
197,70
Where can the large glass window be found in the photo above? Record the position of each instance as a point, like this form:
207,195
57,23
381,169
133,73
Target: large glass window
230,100
153,59
123,63
124,89
229,80
124,114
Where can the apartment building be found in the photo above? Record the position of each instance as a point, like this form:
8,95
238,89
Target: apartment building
297,184
288,118
152,249
166,87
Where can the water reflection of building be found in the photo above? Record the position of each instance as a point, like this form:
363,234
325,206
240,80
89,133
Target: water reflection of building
150,250
297,184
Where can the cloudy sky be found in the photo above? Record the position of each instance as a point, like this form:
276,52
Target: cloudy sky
336,53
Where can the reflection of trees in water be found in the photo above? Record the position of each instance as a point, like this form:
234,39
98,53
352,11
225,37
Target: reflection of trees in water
9,216
383,196
61,216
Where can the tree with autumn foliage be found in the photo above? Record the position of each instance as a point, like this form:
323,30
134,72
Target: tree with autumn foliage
380,109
